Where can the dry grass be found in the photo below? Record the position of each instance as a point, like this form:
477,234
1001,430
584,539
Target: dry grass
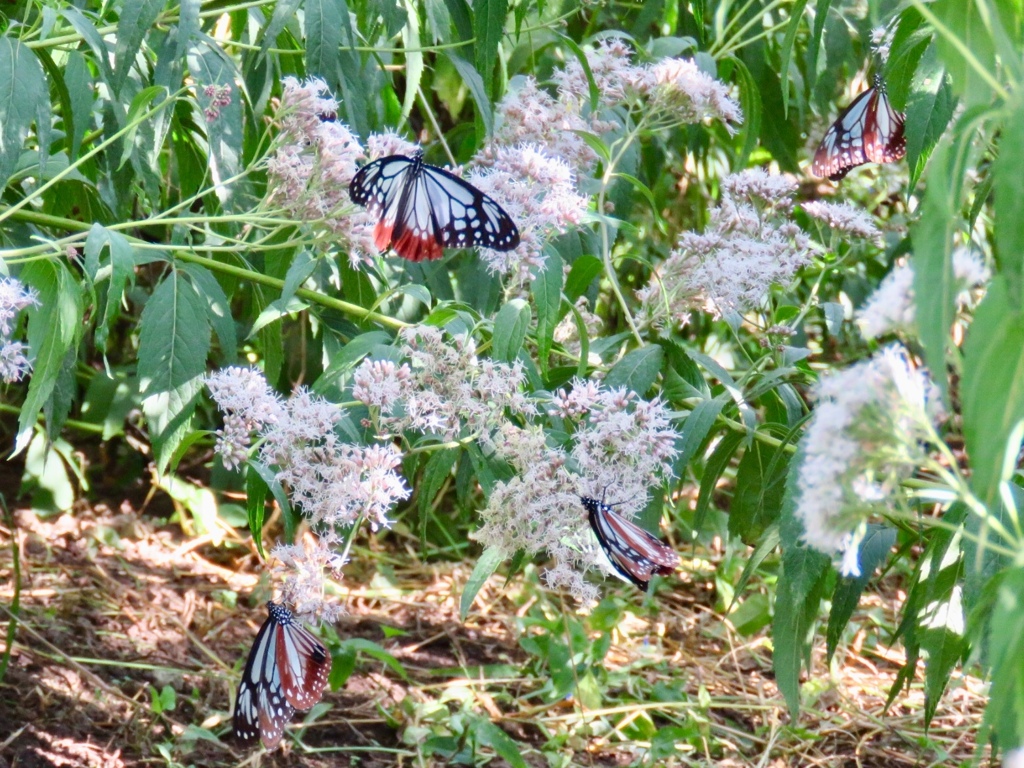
113,608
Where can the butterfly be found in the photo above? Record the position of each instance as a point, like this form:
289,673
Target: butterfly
287,670
634,552
868,131
422,209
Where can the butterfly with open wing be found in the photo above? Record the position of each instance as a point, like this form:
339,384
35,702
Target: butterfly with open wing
422,209
287,671
635,553
867,131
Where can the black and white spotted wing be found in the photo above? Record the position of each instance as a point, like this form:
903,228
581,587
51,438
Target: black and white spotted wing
287,670
635,553
867,131
422,209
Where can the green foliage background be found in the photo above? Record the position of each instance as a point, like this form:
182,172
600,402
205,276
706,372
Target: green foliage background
135,219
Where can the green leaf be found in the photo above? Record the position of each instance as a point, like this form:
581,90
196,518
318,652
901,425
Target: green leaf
218,309
1005,709
373,650
413,59
54,328
24,98
490,735
581,58
716,464
435,473
992,391
934,287
269,478
210,66
174,339
140,104
510,327
118,271
873,551
581,274
800,588
284,12
477,89
1008,206
929,110
488,27
637,370
485,566
324,21
796,13
137,19
351,354
547,296
760,486
696,427
256,489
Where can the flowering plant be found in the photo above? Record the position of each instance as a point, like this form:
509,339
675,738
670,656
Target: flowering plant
806,390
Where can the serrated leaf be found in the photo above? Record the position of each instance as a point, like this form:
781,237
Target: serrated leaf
24,99
218,309
284,12
269,478
546,290
637,370
490,735
581,274
435,473
510,327
488,563
477,90
796,13
174,340
1008,205
992,391
137,19
696,427
256,489
413,59
929,110
934,287
872,552
118,271
713,469
211,67
54,328
488,27
325,22
140,103
760,485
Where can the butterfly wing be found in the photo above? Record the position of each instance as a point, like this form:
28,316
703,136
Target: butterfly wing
884,141
379,187
422,209
636,554
261,710
465,216
304,665
843,145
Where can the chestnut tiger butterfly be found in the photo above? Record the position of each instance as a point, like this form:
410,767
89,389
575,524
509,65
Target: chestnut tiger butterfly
867,131
287,671
422,209
635,553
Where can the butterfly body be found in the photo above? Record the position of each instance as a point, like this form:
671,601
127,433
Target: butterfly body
287,670
422,209
867,131
634,552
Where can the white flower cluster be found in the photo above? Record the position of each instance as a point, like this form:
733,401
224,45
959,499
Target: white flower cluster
869,431
749,245
621,445
333,483
890,309
14,361
443,389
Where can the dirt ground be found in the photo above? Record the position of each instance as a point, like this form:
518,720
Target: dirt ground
115,606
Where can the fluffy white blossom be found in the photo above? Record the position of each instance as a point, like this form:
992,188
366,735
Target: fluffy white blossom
538,192
891,308
870,430
444,388
680,85
621,445
749,245
842,217
332,483
15,364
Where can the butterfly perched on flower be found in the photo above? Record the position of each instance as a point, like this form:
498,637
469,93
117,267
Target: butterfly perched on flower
867,131
422,209
635,553
287,671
